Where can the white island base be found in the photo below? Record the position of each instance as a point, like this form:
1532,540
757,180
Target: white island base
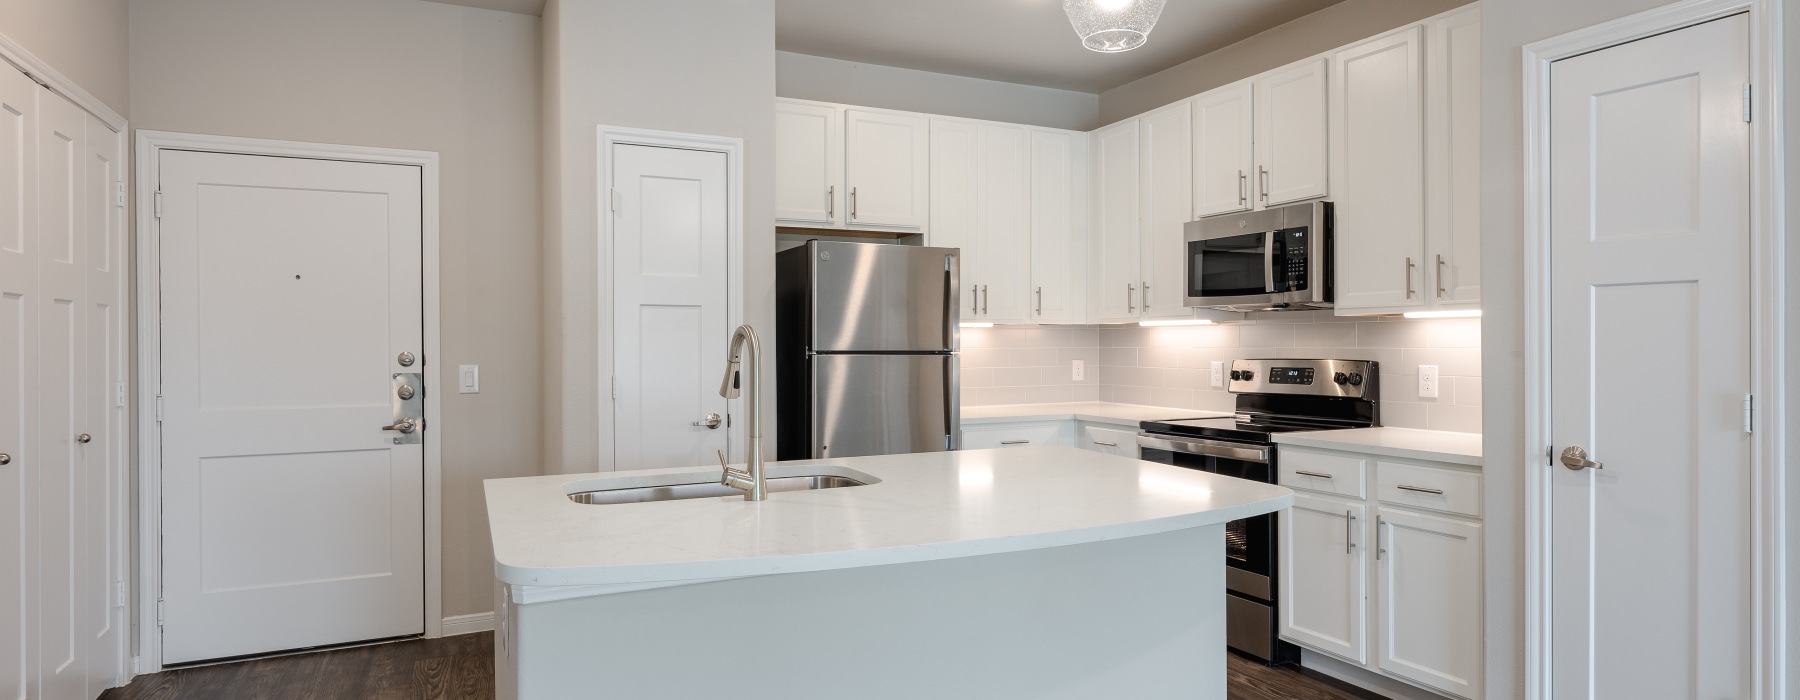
1140,617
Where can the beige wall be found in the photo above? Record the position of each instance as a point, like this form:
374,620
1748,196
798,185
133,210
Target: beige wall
832,80
1506,28
85,40
397,74
611,62
1320,31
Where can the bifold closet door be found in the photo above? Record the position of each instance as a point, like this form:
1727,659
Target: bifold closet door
18,383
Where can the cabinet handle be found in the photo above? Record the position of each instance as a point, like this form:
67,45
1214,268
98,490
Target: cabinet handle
1106,444
975,299
1263,182
1409,269
1130,298
830,201
1379,550
1243,188
1349,533
1440,276
1145,298
1040,301
1015,442
984,299
853,202
1420,489
1321,475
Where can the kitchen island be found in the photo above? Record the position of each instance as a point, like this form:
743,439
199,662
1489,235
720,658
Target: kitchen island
1045,572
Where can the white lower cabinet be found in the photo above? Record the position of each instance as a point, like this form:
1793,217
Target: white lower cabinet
1382,573
992,435
1108,439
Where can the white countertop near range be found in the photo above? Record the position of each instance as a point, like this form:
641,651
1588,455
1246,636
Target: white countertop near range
1123,414
1431,445
920,507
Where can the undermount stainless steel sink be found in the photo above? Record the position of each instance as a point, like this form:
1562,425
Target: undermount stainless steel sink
711,489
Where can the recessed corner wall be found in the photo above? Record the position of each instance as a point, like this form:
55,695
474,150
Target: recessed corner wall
85,40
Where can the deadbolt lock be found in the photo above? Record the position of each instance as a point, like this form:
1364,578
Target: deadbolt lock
406,359
406,392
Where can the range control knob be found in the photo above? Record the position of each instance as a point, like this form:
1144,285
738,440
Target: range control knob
1355,379
1340,377
1249,374
1236,375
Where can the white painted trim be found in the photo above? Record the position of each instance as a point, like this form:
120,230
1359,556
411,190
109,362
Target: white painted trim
43,74
733,148
149,146
1768,280
1374,682
468,624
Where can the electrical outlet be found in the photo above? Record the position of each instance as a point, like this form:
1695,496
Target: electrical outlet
468,379
1428,381
1077,370
1218,373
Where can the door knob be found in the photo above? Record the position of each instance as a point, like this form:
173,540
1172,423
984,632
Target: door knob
5,459
711,422
406,425
1576,459
84,438
405,392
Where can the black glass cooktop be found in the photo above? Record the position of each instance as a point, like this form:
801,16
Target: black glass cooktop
1227,428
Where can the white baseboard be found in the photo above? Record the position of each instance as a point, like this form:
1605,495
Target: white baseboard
1361,677
468,624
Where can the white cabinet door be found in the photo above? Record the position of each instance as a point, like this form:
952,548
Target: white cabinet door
1378,140
1167,194
807,163
1291,133
1323,580
1429,572
990,436
1224,160
1005,223
1115,248
1058,174
885,162
1113,441
1453,116
956,203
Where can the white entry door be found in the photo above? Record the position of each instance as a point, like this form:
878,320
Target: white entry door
291,307
670,320
1650,332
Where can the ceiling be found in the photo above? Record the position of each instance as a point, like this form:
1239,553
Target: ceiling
1016,41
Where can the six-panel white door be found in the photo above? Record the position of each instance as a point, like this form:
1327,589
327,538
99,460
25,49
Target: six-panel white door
885,163
1324,583
290,289
18,384
1649,360
1291,133
1224,150
670,315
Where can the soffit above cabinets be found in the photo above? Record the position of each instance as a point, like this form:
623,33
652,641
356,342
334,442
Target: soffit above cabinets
534,8
1028,42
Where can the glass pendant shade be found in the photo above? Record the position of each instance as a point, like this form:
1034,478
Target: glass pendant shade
1111,26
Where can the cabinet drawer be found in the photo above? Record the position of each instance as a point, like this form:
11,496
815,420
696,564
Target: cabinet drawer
1317,471
1431,488
1117,441
983,437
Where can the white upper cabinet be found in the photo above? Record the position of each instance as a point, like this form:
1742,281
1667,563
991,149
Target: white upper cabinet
1291,116
1005,223
1115,293
885,161
1453,148
807,163
1224,159
1378,163
1168,190
1059,168
1429,622
956,203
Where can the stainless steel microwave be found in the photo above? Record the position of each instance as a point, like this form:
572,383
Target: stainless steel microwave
1271,260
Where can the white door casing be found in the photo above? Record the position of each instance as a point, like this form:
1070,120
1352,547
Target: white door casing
289,289
18,383
670,305
1651,567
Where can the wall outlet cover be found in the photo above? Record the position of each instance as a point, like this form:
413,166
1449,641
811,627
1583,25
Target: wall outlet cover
1218,373
1077,370
1428,381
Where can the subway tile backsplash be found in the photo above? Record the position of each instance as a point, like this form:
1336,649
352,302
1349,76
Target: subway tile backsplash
1170,366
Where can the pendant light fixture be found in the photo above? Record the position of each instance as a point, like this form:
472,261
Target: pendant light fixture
1111,26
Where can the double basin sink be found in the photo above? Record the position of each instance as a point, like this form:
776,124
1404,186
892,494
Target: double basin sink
711,489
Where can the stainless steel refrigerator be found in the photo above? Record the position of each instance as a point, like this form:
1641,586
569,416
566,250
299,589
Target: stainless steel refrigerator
866,350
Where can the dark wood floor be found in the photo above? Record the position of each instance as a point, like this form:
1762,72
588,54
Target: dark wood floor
462,668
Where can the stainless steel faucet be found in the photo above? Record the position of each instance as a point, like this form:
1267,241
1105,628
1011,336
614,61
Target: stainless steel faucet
749,480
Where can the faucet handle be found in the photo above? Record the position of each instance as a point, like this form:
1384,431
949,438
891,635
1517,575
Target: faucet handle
722,464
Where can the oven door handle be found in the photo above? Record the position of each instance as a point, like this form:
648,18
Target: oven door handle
1205,448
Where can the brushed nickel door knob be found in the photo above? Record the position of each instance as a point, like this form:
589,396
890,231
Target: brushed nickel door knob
5,459
84,438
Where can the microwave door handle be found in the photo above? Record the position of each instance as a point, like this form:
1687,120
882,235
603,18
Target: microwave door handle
1269,261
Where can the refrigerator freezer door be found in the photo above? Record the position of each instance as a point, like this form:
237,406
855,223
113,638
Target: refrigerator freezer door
884,404
883,298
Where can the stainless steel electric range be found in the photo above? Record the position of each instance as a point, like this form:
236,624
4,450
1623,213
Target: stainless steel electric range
1273,396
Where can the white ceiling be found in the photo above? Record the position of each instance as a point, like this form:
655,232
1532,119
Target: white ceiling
524,7
1016,41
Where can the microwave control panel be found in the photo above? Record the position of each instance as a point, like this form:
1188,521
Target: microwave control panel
1290,260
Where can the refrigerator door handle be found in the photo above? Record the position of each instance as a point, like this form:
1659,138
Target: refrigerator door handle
952,301
952,404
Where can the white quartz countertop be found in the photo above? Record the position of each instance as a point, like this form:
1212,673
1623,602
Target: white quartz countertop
1432,445
920,507
1092,411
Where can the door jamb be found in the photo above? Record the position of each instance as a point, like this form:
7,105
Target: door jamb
1768,285
611,137
150,144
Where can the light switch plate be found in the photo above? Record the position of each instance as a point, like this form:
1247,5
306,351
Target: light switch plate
1077,370
1428,381
468,379
1218,373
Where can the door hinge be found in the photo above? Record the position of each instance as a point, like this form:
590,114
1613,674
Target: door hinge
1550,455
1749,413
121,592
615,388
159,408
159,612
119,199
158,204
1749,91
617,201
119,394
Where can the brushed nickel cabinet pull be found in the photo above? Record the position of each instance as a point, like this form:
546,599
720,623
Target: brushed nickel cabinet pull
1106,444
1440,276
1321,475
1349,533
1420,489
1409,269
1015,442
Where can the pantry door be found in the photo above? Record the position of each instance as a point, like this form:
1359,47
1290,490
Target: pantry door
291,319
1649,366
